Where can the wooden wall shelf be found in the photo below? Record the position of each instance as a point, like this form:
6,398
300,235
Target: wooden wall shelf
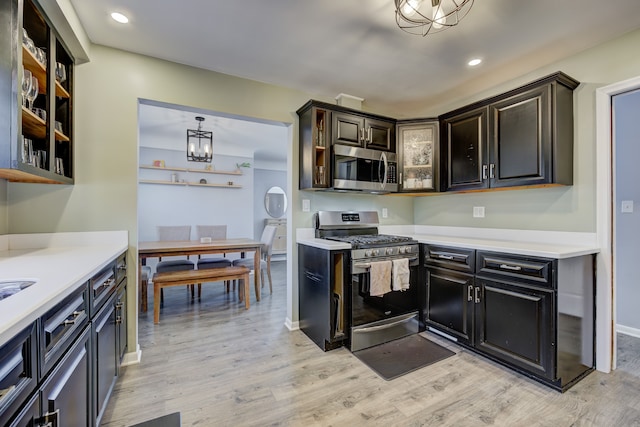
175,169
187,184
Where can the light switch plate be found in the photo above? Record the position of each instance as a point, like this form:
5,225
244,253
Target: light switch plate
626,206
306,205
478,211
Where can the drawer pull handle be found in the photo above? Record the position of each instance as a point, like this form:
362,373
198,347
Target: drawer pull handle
510,267
76,314
448,257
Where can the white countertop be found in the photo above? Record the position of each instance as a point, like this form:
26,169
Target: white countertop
547,244
59,262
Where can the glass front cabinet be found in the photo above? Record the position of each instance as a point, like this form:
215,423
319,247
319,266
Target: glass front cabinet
36,76
418,155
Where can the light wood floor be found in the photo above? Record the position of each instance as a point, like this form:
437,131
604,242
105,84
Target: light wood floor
220,365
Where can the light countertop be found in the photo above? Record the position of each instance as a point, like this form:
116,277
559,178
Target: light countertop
60,262
557,245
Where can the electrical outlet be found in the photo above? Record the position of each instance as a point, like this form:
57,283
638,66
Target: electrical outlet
385,213
478,211
306,205
626,206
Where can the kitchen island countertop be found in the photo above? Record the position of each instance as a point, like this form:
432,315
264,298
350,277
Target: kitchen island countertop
59,262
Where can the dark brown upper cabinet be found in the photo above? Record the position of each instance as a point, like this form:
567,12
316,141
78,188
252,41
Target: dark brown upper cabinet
363,131
521,138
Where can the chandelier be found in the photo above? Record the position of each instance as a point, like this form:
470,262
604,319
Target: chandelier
422,17
199,144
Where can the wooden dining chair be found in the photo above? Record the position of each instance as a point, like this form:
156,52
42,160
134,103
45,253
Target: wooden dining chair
215,232
175,233
268,235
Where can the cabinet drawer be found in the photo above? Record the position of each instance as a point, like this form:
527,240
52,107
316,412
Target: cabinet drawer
60,326
18,376
121,268
101,286
458,259
538,271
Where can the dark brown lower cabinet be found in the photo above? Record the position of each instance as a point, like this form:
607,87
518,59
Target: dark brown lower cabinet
515,324
534,315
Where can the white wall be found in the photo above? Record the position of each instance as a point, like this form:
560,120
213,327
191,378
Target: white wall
192,205
263,180
626,110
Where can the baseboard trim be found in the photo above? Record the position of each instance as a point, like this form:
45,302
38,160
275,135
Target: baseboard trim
634,332
132,358
292,326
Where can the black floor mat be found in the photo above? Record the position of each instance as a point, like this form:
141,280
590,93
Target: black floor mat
396,358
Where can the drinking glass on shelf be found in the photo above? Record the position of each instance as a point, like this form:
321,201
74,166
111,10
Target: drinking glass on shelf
61,72
32,94
26,85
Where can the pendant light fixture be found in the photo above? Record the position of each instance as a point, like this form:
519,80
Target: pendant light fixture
422,17
199,144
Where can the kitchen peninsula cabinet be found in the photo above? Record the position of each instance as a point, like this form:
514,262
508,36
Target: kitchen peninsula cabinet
36,144
532,314
521,138
418,155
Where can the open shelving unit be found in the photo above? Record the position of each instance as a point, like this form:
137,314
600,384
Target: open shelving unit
229,184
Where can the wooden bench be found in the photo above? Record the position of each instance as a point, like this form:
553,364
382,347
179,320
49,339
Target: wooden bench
189,277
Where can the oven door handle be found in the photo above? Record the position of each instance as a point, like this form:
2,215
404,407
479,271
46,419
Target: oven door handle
404,319
368,264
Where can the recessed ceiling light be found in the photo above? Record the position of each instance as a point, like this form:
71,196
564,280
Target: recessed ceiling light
474,62
118,17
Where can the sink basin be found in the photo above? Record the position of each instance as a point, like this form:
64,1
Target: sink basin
12,287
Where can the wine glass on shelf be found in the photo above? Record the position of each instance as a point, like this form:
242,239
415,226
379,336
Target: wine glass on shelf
26,85
61,72
32,94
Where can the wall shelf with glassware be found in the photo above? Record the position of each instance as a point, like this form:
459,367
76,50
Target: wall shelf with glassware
39,145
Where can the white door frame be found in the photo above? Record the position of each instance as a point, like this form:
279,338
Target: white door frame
605,288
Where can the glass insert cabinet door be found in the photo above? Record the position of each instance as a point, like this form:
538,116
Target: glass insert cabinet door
418,150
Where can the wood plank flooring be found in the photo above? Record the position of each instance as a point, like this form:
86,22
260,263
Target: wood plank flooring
220,365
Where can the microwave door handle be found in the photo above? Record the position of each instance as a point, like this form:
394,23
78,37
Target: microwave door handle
383,157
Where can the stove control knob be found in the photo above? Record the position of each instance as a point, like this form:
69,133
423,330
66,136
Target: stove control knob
376,252
368,253
402,249
408,249
389,251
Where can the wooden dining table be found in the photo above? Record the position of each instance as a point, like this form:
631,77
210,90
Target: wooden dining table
158,249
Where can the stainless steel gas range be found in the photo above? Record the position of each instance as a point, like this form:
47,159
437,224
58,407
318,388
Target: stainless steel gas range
383,294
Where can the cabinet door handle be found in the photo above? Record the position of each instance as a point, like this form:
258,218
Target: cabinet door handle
50,419
484,171
118,320
510,267
369,134
469,290
492,168
477,294
362,134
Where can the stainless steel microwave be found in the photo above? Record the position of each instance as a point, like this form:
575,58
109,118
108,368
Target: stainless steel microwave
364,170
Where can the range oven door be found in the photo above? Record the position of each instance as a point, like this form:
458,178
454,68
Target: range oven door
363,169
379,319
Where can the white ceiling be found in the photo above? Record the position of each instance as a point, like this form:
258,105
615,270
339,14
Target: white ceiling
343,46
